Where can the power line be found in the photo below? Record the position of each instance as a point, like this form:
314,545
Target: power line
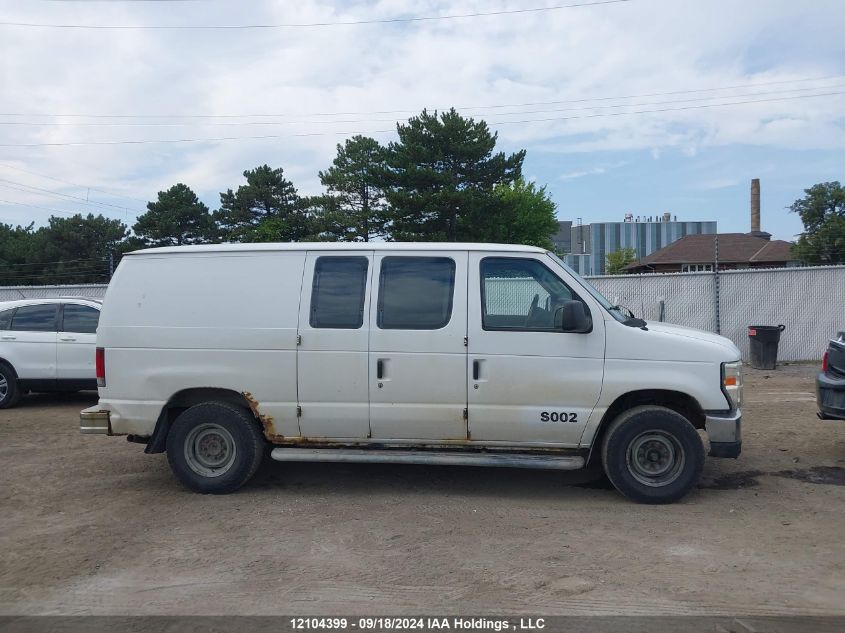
693,107
502,122
59,261
64,195
35,206
67,182
81,273
347,121
59,194
475,107
199,27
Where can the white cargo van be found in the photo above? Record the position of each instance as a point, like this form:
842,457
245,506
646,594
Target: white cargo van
475,354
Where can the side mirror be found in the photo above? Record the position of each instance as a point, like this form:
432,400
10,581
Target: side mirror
570,317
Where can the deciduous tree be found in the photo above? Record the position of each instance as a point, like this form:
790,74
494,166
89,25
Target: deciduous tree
616,263
822,210
524,214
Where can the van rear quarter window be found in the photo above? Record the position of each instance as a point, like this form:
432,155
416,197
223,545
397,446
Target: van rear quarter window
415,293
337,295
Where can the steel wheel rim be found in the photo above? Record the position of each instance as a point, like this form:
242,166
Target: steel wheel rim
655,458
4,387
210,450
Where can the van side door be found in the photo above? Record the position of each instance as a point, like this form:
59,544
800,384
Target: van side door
417,352
334,323
528,382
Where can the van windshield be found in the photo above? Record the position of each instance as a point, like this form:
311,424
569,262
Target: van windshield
614,311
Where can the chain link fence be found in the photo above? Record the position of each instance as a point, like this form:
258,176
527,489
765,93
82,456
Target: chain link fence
810,302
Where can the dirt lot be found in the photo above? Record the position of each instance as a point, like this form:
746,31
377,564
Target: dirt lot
91,525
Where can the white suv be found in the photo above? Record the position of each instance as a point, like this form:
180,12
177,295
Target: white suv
47,345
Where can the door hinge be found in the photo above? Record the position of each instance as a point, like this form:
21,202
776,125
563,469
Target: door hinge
466,341
466,414
299,412
298,340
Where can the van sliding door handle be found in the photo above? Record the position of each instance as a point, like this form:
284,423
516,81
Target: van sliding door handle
476,369
379,369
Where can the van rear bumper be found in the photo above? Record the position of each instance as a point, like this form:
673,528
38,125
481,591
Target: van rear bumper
94,421
725,433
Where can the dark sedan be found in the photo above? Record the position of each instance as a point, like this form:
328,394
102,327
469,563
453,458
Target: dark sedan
830,383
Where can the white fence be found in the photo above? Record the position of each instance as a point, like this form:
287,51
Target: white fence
810,302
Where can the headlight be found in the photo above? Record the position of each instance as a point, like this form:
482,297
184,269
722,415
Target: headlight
732,383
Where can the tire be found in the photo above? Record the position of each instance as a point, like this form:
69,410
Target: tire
214,447
652,455
10,391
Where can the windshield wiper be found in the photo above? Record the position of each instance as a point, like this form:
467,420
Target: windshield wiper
630,319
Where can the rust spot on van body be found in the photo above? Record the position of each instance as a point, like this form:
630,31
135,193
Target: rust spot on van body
266,420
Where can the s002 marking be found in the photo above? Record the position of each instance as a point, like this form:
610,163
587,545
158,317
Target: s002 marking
558,416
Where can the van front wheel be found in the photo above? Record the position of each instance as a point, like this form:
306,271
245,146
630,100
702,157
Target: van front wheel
214,448
652,454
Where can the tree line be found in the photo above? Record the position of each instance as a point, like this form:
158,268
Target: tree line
443,179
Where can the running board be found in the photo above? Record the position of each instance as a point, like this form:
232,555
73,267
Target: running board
386,456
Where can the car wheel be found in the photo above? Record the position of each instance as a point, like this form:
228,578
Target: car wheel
10,392
214,447
652,454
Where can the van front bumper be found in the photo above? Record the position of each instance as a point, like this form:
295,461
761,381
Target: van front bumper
94,421
725,433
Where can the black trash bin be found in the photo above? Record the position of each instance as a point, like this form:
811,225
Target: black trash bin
764,341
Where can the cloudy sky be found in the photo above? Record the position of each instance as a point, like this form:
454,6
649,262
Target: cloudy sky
642,106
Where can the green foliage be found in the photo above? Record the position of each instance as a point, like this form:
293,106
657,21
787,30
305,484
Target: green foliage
439,178
523,214
266,209
354,208
822,210
442,180
68,250
176,218
616,263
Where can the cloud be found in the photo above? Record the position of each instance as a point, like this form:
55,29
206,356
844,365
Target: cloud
323,84
594,171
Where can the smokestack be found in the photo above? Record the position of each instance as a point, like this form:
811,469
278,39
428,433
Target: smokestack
755,206
755,211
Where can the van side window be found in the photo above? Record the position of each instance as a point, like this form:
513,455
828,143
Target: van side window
79,318
520,294
337,294
415,293
40,318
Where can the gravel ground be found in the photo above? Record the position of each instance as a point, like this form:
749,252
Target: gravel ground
91,525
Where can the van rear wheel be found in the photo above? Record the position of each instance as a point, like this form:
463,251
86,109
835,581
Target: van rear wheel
214,447
652,454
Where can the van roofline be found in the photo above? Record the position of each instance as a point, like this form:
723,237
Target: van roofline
338,246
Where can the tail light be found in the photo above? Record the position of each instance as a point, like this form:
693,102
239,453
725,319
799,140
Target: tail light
100,366
824,361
